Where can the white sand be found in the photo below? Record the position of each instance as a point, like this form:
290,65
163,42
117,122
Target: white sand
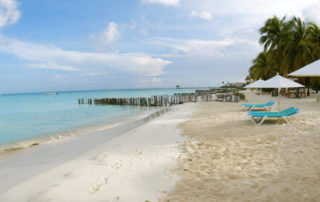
133,167
227,158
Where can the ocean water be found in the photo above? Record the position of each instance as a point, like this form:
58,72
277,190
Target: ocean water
37,115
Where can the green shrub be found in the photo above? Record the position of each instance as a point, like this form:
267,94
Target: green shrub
242,96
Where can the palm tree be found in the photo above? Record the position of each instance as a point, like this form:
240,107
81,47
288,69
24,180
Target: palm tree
297,51
262,68
313,38
275,34
288,45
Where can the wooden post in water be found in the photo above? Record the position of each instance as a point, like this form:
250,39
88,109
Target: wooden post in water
159,100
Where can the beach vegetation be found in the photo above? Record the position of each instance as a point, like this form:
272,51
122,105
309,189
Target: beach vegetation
233,87
242,96
288,44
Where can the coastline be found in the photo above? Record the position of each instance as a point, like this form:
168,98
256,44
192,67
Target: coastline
39,115
132,148
145,115
207,151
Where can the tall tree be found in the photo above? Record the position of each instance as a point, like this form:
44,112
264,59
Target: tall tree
313,38
297,52
261,68
274,35
288,45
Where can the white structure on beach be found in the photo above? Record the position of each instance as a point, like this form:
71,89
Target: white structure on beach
310,70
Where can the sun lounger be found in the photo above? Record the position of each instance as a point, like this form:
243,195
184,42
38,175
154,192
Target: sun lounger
263,115
266,106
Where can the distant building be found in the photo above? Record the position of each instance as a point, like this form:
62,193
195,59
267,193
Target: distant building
238,84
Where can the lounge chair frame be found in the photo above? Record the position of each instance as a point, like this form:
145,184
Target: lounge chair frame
266,108
282,115
251,107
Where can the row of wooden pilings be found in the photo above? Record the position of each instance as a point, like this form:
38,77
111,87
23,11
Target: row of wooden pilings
142,101
162,100
85,101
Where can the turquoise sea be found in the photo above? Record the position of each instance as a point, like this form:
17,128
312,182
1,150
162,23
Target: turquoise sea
37,115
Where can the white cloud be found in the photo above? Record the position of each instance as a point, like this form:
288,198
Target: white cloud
148,82
204,48
228,40
55,58
312,12
52,66
107,37
239,22
8,12
201,14
156,80
250,13
94,74
165,2
250,7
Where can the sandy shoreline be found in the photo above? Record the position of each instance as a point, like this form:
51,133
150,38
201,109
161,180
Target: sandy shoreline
196,152
132,167
227,158
63,136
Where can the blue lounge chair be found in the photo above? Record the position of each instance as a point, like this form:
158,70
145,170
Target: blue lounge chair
266,106
263,115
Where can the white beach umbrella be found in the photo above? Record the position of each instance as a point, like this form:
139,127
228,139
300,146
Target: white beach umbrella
256,84
280,82
310,70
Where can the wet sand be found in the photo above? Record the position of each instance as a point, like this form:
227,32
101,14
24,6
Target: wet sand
133,166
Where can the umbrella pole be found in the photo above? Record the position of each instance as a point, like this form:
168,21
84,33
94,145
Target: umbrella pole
279,89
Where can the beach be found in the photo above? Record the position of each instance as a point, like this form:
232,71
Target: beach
142,101
205,151
227,158
134,166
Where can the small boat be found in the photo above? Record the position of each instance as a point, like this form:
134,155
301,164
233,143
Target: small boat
177,86
51,93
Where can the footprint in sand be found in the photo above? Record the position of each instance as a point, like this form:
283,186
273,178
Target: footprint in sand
42,195
67,174
98,157
71,173
96,187
137,152
116,165
117,198
265,175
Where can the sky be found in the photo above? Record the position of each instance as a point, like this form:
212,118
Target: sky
72,45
